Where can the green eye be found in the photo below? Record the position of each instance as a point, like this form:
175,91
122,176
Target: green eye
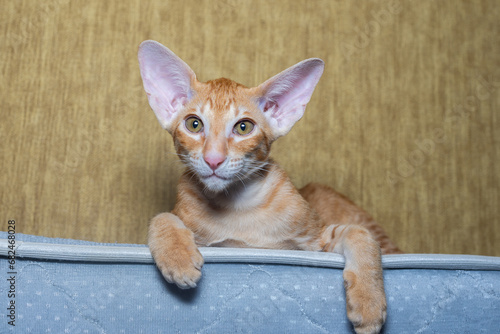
243,128
194,124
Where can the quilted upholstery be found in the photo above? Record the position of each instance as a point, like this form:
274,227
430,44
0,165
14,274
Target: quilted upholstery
242,295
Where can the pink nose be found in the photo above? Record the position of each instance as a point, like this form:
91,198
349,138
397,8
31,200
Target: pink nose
214,160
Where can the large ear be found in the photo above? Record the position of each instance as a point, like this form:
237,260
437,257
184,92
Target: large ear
167,80
283,98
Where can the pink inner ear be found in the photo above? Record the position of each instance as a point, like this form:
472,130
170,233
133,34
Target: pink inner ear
269,105
286,94
167,80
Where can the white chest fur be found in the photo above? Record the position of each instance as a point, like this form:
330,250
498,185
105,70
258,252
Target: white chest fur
259,214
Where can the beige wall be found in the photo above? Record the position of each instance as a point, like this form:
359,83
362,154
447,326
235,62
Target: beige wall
404,121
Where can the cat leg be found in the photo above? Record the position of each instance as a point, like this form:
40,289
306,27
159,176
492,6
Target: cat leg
174,250
363,279
335,207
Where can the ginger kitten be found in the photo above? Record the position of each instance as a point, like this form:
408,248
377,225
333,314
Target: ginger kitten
233,194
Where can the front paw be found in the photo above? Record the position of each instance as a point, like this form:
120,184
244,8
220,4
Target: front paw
365,302
174,251
180,265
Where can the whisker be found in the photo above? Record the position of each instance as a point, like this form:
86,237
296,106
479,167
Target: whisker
262,163
241,180
257,168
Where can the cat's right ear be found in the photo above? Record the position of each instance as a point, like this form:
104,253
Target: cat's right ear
167,81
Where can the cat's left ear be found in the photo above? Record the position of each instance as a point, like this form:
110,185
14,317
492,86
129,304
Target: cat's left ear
283,98
167,81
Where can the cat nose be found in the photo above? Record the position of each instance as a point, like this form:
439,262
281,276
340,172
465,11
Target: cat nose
214,160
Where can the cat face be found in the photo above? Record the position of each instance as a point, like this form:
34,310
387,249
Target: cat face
221,135
223,130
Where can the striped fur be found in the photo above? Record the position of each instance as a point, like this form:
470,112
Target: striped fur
233,194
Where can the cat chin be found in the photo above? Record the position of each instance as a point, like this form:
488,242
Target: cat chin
215,184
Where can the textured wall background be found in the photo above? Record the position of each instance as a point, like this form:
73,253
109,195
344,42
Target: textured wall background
404,121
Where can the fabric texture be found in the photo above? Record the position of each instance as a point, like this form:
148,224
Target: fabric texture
55,296
404,120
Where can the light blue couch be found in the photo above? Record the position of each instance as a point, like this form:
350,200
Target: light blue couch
70,286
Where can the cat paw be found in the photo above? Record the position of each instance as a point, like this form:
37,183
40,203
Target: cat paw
365,303
174,251
181,267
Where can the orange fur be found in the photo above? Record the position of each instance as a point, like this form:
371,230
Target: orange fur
249,201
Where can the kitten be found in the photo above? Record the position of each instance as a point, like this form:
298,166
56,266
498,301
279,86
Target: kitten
233,194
